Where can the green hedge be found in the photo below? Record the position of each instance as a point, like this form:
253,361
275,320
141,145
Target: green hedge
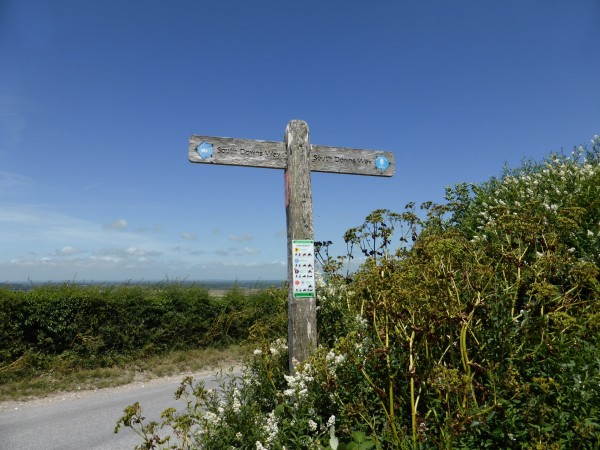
93,322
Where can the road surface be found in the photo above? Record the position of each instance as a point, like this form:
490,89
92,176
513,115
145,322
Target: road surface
87,420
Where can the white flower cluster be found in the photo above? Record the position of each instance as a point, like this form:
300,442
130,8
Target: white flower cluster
330,291
221,408
334,361
361,321
278,346
331,422
249,378
270,427
298,383
236,405
319,280
211,418
548,187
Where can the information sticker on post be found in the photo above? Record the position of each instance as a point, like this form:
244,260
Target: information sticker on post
303,275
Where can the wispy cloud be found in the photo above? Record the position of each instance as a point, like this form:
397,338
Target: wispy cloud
156,228
66,251
126,252
119,225
240,237
134,251
28,228
188,236
12,182
237,252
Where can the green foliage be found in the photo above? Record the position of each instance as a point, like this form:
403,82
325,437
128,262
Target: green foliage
338,312
92,326
481,330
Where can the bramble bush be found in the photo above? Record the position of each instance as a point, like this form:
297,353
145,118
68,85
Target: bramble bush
478,327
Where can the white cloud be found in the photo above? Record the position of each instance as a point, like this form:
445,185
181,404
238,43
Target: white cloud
236,252
119,224
141,252
240,237
123,253
66,251
188,236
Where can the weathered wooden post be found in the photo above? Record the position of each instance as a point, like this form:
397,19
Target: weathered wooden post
302,308
298,157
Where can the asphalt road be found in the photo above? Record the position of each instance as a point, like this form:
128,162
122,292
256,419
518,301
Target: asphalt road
86,421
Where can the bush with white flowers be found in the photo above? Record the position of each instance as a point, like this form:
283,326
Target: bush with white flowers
481,332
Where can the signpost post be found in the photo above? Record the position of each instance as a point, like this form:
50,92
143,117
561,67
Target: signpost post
298,158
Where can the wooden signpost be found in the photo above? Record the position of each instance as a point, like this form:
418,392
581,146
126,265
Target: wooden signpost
298,158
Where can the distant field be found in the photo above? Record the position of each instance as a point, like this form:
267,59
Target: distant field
218,287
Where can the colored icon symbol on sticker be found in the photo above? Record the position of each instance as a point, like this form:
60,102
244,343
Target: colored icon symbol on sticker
381,163
205,150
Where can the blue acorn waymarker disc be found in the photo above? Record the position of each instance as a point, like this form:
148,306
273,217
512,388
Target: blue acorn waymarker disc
381,163
205,150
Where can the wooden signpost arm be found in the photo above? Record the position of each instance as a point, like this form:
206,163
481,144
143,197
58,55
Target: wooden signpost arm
302,315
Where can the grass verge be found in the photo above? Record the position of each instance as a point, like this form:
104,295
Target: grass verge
59,377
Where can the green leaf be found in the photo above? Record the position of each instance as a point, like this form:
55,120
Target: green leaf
280,409
359,436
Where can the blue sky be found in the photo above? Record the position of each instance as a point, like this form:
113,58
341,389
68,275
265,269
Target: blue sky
98,100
